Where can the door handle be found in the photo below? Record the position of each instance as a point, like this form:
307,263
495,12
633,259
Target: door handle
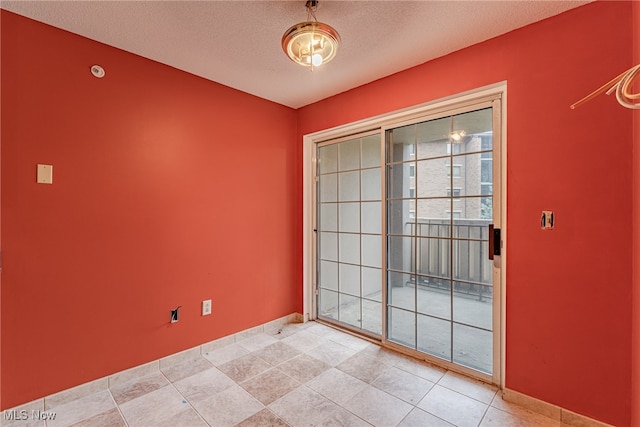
494,241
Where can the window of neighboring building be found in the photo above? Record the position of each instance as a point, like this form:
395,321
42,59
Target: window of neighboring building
455,193
457,171
453,148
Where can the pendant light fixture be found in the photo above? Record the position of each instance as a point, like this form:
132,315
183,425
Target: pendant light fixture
311,43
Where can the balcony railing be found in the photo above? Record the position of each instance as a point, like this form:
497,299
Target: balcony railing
449,254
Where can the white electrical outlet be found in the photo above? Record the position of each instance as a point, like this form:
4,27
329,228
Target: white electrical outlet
206,307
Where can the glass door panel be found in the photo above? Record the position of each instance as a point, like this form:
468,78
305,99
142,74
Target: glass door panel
439,206
349,217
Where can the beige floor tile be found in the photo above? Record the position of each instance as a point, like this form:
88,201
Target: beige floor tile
377,407
321,330
422,369
110,418
186,369
287,330
203,384
135,388
303,407
363,367
453,407
336,385
188,417
216,344
420,418
499,403
181,357
249,332
257,341
225,354
228,408
245,367
331,353
264,418
154,408
81,409
25,415
28,422
133,373
343,418
21,419
350,341
383,355
469,387
276,353
304,341
76,393
25,408
403,385
270,385
303,368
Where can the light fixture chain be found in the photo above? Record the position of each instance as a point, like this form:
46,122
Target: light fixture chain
312,6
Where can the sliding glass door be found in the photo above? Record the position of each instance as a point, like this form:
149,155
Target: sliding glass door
349,232
404,220
440,204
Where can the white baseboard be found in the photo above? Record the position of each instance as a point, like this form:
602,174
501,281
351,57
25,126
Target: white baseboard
550,410
101,384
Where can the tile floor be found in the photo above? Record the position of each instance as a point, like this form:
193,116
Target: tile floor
304,375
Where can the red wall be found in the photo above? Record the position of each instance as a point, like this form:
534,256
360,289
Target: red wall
635,384
0,229
568,290
168,189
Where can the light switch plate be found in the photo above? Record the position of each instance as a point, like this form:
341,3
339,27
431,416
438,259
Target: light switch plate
547,220
45,174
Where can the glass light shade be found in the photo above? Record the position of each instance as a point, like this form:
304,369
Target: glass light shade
311,43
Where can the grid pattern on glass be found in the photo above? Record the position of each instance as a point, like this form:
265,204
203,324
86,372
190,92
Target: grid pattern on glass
439,205
349,216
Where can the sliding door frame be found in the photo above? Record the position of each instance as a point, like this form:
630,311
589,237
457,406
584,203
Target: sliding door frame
380,123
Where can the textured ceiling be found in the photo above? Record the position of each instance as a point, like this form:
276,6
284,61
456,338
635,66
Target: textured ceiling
237,43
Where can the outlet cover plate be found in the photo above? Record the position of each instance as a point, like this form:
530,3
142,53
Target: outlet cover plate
206,307
45,174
